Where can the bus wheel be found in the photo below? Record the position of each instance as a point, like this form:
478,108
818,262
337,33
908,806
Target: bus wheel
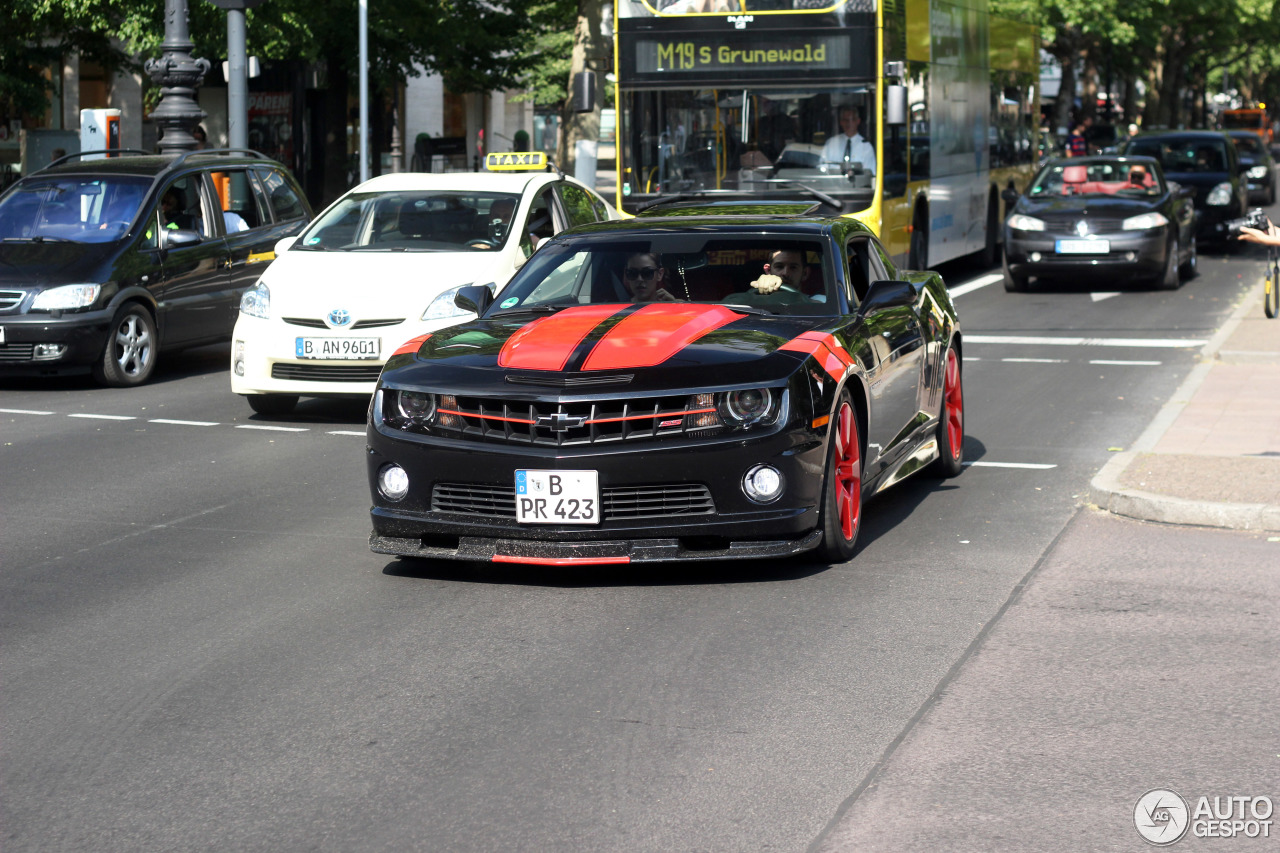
918,257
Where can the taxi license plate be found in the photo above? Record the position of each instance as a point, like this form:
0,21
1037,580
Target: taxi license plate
1083,247
345,348
557,497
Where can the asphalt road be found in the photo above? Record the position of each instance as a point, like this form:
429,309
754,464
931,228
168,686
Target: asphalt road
198,650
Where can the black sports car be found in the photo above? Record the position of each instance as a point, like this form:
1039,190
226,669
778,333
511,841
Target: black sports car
1258,164
1101,216
778,371
1207,162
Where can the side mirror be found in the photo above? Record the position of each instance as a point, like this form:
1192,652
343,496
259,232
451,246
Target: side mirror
282,246
474,297
1010,195
888,294
177,238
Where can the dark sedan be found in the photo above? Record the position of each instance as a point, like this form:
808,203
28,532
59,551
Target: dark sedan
1207,162
780,372
1100,216
1259,167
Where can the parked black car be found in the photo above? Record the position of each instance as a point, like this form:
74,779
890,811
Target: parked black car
105,262
1258,164
1206,161
1100,216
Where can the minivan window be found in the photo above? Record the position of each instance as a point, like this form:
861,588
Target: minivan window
78,209
284,201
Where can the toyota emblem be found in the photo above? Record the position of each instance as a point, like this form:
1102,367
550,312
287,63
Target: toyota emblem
339,317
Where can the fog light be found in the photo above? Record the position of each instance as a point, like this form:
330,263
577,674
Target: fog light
763,484
1130,256
393,482
237,358
1035,257
48,352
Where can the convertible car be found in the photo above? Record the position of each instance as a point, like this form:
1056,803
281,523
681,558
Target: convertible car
702,385
1106,216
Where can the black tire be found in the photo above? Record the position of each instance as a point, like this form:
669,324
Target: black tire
272,405
1170,278
1013,283
1191,266
918,255
1271,294
1271,192
841,514
991,251
129,357
951,419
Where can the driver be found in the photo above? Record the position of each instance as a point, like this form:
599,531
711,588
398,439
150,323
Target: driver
789,265
645,276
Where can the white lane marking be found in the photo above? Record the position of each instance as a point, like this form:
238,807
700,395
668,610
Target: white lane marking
274,428
345,432
1160,343
24,412
104,417
1036,360
976,284
972,358
182,423
1033,466
1111,361
1098,297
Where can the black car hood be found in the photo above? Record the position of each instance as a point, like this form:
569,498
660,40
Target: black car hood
659,346
1107,207
31,265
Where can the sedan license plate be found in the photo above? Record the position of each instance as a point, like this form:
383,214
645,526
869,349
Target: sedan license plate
345,348
1083,247
557,497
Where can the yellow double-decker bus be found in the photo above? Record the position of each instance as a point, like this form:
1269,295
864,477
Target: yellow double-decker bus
910,115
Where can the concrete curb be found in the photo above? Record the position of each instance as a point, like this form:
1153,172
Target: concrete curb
1107,492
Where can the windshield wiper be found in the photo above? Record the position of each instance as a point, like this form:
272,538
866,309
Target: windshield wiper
749,309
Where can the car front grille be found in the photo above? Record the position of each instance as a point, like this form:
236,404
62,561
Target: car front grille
16,352
312,323
10,299
327,372
589,422
616,503
1097,225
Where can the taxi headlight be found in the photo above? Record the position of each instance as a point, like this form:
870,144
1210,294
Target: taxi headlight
1220,195
443,307
256,302
1257,172
1146,220
1022,222
69,297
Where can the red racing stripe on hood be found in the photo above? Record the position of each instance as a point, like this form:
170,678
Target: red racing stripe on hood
825,349
656,332
547,343
412,345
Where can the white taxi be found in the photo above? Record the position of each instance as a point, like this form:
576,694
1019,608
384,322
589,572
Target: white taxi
382,264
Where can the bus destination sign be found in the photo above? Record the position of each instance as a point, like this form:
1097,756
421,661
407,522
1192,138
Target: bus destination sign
727,56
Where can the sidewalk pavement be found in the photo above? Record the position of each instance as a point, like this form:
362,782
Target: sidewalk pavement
1211,457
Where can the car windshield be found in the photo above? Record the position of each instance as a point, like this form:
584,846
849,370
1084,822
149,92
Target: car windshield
1096,178
79,209
677,268
413,221
1248,144
1184,155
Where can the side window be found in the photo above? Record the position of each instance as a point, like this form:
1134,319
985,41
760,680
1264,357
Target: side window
182,205
241,201
859,268
602,211
285,203
882,268
539,226
577,204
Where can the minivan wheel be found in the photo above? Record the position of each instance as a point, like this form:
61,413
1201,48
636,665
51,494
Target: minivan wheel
129,357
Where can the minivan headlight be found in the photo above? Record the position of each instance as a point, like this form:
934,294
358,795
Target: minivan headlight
1220,195
68,297
256,302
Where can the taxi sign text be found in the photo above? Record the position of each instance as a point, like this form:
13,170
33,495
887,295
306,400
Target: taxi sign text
513,160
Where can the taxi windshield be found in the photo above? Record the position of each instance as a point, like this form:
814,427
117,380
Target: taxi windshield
70,208
677,268
413,221
1097,178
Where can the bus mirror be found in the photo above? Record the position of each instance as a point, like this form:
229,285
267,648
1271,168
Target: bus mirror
584,92
896,108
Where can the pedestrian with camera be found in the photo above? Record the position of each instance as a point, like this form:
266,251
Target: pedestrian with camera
1257,228
1264,232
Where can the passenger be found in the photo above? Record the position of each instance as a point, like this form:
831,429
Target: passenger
645,276
848,148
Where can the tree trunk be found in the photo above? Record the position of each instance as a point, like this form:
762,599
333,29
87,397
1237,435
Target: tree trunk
1066,94
1089,87
591,52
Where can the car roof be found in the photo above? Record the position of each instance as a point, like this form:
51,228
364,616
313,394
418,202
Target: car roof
782,225
1140,159
150,165
508,182
1181,134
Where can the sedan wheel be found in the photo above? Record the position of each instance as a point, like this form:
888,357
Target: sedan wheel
842,492
1170,279
951,421
130,354
1191,266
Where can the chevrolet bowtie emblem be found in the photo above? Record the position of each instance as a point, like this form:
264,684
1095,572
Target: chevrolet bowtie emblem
560,422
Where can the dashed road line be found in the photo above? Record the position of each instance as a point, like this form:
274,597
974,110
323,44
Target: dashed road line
23,412
1037,360
273,428
1138,363
346,432
976,284
182,423
102,417
1158,343
1032,466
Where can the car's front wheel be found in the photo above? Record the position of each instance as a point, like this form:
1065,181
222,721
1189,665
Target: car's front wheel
1013,283
1191,266
272,405
129,357
842,491
1170,278
951,420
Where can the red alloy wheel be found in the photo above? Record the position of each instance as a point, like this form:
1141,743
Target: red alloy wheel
848,472
953,400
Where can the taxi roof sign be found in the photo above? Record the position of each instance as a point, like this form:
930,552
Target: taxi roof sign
513,161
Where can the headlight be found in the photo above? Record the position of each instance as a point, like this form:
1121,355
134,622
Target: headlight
66,298
415,406
1021,222
1220,195
1257,172
442,307
1146,220
749,407
415,411
256,301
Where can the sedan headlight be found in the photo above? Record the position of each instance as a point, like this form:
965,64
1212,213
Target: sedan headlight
1220,195
1022,222
1257,172
69,297
443,307
1146,220
256,301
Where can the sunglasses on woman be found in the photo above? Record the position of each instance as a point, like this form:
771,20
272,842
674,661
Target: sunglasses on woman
645,273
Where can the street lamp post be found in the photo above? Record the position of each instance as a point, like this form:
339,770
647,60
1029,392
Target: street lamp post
178,75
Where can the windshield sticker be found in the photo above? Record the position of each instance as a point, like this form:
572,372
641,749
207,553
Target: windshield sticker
507,303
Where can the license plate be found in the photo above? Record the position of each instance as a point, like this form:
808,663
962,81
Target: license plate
347,348
557,497
1083,247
